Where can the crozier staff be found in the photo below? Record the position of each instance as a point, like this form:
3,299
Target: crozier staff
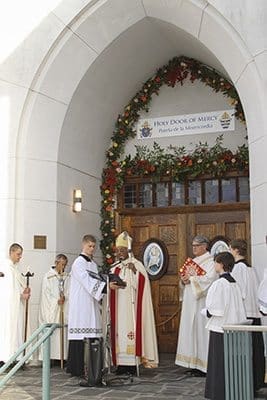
28,275
13,297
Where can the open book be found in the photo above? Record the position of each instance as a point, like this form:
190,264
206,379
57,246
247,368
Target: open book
105,277
191,268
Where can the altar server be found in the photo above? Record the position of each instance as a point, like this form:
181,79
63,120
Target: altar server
54,305
85,319
262,294
13,297
245,275
224,306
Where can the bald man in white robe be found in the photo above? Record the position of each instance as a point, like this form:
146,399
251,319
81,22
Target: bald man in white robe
13,297
54,305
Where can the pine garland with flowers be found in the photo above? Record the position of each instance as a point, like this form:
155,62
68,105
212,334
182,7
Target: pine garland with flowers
159,162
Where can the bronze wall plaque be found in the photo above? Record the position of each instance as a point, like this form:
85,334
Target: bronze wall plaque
39,242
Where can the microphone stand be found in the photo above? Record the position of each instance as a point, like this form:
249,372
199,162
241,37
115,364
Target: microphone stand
106,342
108,378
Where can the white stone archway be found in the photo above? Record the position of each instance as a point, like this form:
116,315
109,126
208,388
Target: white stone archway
51,156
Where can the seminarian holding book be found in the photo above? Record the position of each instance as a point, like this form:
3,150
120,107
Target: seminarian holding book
197,275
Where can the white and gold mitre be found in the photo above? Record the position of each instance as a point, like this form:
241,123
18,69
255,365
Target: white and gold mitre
124,240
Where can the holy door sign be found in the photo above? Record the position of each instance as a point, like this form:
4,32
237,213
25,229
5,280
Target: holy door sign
206,122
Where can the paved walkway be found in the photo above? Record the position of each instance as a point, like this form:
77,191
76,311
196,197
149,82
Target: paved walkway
167,381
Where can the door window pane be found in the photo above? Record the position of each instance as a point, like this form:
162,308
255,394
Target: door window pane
162,194
145,195
130,196
243,183
177,194
228,190
212,191
194,192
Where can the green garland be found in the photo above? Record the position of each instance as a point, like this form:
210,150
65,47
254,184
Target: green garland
157,162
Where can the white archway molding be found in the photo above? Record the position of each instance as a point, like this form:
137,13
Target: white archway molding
78,46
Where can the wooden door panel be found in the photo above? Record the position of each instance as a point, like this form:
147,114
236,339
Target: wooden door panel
209,230
141,233
172,267
177,231
168,233
167,312
236,230
183,224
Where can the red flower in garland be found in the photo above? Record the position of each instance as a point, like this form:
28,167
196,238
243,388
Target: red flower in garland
172,76
110,177
228,155
186,160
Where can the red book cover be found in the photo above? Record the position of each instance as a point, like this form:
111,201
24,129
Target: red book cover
191,268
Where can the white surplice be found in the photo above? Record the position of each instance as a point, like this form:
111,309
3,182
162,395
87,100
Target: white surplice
132,318
225,303
12,309
193,337
262,294
49,311
84,320
247,280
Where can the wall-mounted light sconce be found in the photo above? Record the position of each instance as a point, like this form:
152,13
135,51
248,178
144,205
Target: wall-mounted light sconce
77,200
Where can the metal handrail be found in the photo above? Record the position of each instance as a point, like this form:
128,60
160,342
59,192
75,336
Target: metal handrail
238,360
46,330
245,328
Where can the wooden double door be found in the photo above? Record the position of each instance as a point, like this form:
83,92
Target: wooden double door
176,229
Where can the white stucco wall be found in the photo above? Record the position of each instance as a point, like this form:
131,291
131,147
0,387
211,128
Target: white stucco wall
68,75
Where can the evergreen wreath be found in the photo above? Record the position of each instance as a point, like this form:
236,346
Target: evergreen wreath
158,162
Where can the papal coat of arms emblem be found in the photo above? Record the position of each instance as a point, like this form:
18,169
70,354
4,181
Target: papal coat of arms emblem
146,130
225,120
